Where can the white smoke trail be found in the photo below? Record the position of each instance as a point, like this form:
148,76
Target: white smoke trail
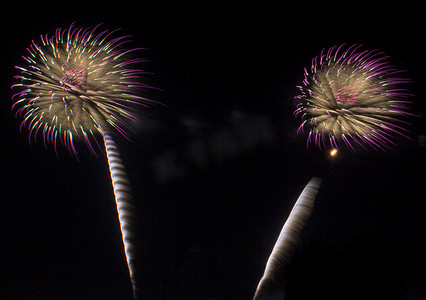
287,241
123,200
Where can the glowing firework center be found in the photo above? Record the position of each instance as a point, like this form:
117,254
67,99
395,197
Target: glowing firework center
72,80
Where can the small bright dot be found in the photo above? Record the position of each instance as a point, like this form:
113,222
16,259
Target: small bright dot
333,152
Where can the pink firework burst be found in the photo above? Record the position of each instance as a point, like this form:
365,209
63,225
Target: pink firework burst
80,83
76,84
355,96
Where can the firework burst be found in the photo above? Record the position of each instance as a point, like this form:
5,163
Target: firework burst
80,83
77,84
355,96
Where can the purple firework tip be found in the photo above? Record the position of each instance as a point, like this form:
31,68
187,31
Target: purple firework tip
354,96
78,83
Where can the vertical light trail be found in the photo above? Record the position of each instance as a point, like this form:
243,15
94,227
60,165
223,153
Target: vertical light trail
123,200
288,239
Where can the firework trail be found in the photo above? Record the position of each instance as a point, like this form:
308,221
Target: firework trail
79,84
288,239
123,200
355,96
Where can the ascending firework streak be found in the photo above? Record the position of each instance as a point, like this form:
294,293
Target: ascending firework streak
123,200
81,84
288,239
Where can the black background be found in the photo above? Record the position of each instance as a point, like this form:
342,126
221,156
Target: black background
216,170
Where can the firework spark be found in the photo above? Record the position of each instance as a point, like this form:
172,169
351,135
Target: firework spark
355,96
80,83
289,236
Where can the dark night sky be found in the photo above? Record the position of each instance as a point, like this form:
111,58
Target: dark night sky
215,172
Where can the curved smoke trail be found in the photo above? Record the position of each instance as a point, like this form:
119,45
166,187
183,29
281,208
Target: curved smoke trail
288,239
123,200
